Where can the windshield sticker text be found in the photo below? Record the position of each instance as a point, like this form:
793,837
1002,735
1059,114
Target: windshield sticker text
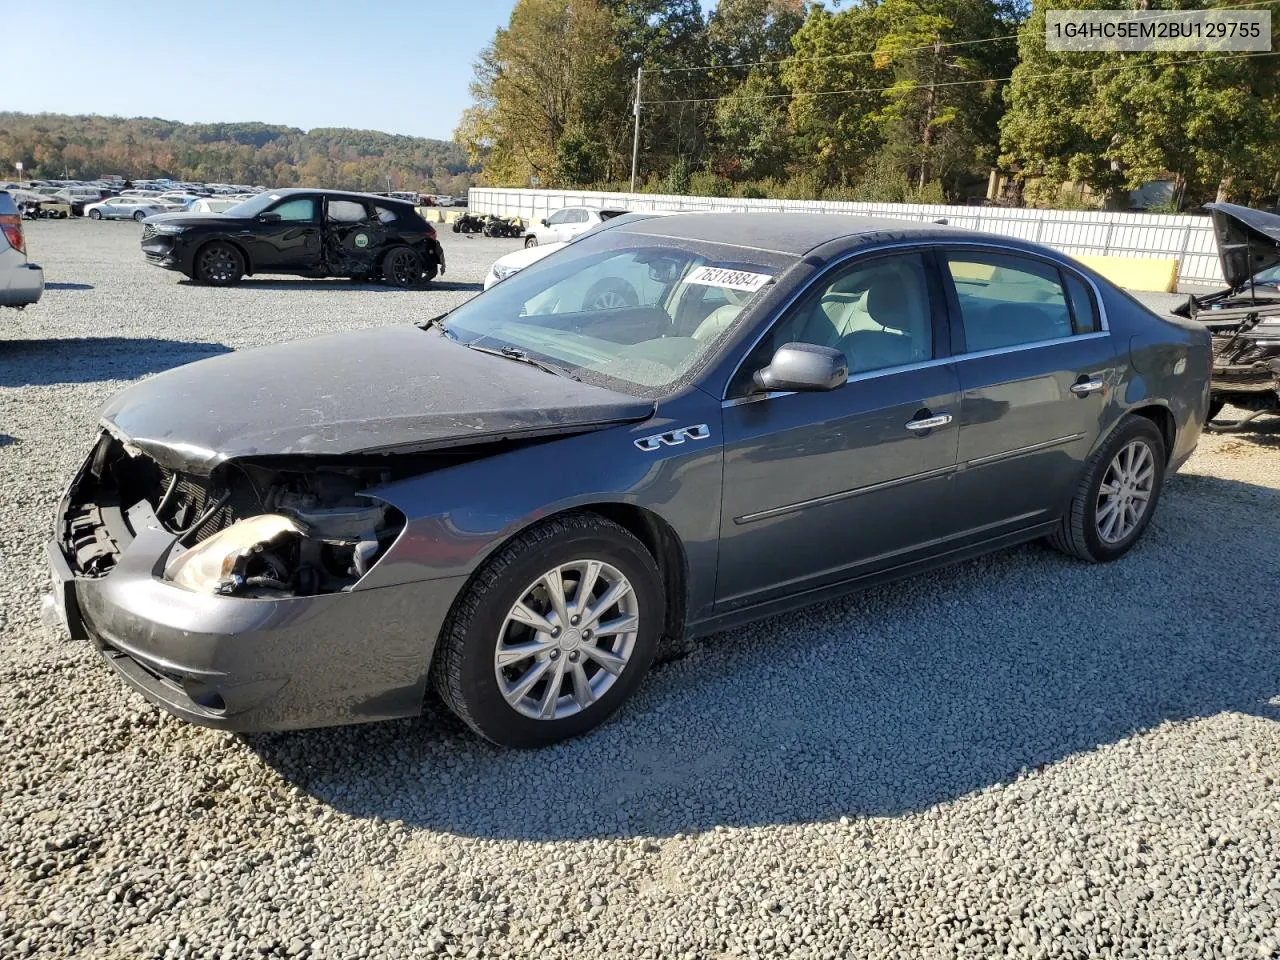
728,279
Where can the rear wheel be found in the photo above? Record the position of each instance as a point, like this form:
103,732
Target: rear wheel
553,634
140,215
219,264
1117,495
402,267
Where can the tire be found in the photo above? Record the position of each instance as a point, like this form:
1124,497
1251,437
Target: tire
456,228
1088,530
95,215
610,294
402,267
466,673
530,241
139,216
218,264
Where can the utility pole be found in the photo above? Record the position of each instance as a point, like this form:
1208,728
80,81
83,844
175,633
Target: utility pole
635,137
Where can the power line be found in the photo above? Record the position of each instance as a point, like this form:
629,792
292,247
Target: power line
1155,15
957,83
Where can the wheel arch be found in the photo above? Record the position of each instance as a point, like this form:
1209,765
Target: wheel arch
1164,421
657,536
222,238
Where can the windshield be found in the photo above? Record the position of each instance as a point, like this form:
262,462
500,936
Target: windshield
619,307
251,208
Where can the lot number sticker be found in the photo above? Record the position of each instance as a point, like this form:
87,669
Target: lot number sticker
729,279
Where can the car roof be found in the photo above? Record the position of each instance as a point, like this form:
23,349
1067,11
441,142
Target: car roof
338,194
787,233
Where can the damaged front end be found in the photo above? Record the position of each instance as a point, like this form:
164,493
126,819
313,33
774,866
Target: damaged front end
255,530
1244,319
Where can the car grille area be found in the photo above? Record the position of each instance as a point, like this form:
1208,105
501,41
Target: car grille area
95,523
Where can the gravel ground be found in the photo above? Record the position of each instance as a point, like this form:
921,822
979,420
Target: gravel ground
1017,756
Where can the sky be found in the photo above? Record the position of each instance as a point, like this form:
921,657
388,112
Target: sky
401,66
394,65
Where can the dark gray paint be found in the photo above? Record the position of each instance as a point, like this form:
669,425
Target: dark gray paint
790,499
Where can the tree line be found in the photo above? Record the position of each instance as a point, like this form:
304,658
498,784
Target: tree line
886,100
58,146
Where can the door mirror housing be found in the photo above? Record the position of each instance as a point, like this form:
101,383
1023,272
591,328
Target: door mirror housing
543,221
803,367
268,218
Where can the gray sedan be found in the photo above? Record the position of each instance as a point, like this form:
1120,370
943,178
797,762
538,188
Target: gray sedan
664,429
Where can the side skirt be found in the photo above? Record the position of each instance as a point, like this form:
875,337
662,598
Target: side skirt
814,595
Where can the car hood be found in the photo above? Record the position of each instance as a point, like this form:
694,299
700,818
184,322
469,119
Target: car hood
1248,241
385,390
184,219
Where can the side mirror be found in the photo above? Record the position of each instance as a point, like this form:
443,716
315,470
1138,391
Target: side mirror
268,218
803,366
543,221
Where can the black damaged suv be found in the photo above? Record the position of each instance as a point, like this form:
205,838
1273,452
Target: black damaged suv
309,233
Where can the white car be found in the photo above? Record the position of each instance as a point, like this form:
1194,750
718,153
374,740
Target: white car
567,223
504,266
126,208
21,282
213,204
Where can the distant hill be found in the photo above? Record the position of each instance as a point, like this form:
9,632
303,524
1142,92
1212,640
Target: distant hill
55,145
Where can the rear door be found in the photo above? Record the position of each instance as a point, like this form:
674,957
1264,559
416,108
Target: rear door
353,237
1037,369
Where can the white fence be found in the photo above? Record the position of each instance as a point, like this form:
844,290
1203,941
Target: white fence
1189,239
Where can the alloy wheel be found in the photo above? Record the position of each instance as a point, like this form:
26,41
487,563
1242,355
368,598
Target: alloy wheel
567,640
218,264
1125,492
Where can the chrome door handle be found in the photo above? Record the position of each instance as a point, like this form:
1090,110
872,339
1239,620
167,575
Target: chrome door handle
1086,387
929,423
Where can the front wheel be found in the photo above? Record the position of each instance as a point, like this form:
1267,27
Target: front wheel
530,241
95,215
1117,494
553,634
219,264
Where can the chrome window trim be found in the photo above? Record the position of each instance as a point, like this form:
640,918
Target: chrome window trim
1051,256
923,364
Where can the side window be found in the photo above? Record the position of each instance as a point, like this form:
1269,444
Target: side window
1084,313
876,312
302,209
385,214
346,211
1006,301
560,216
579,216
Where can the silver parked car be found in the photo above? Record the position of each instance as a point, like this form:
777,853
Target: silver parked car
21,282
126,208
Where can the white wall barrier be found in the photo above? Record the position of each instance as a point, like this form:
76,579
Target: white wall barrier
1189,239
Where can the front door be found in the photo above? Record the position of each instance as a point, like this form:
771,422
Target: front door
826,486
290,243
1037,371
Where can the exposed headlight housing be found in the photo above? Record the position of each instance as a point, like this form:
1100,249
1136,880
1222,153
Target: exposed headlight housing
210,566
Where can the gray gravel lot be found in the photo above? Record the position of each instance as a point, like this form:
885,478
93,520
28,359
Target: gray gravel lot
1019,756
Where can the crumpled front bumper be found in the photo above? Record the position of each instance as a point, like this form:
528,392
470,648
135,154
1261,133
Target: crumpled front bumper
249,664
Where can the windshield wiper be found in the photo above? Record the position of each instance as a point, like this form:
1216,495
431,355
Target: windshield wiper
515,353
436,321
